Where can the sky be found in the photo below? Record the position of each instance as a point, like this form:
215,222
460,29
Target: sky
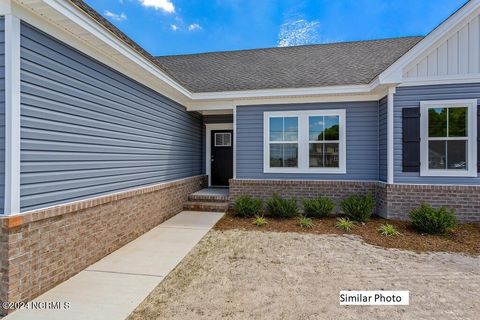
169,27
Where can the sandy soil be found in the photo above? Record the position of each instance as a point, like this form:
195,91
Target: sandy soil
267,275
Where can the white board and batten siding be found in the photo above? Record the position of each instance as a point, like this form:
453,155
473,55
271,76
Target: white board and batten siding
459,54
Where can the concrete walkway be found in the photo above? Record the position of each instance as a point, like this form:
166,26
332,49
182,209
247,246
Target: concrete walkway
114,286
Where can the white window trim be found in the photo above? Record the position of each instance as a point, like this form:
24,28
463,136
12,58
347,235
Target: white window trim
471,145
223,145
303,141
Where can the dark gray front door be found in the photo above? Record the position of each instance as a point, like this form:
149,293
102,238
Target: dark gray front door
221,157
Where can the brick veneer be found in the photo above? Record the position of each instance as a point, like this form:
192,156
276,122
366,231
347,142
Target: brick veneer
400,199
43,248
392,201
300,189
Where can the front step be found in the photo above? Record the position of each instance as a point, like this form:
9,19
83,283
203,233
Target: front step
194,197
206,206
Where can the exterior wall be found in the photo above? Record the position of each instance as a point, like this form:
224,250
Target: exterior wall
46,247
2,114
399,199
361,131
382,140
300,189
87,130
411,97
218,118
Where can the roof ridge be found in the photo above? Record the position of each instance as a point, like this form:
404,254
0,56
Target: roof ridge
289,47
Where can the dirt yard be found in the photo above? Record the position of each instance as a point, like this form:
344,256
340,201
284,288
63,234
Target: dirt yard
237,274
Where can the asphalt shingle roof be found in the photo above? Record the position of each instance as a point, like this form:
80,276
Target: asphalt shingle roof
344,63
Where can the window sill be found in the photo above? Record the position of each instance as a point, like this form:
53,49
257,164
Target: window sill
449,173
311,171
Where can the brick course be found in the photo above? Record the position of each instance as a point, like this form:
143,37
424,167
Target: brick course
43,248
393,201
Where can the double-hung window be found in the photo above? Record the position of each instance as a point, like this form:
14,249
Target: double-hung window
448,138
304,141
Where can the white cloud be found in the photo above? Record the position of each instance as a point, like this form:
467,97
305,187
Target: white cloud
298,32
115,16
162,5
194,26
174,27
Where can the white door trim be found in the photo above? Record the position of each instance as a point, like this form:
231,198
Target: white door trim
208,143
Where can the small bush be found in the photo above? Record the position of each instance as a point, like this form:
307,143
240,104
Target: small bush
247,207
305,222
433,221
358,208
260,221
318,208
345,224
281,208
388,230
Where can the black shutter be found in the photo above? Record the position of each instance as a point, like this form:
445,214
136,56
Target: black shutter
478,139
411,139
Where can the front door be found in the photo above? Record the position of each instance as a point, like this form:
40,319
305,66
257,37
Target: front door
221,157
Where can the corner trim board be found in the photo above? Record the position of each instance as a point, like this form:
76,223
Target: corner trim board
12,115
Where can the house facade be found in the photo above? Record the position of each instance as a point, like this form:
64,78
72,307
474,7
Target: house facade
102,141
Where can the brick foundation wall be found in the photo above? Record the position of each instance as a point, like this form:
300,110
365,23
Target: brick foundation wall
393,201
300,189
401,199
43,248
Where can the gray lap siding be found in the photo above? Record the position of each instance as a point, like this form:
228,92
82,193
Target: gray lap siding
87,130
410,97
362,141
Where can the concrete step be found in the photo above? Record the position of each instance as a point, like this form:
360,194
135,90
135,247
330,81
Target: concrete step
206,206
207,198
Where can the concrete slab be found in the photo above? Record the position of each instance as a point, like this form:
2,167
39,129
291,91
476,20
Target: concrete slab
154,253
194,220
114,286
94,296
212,192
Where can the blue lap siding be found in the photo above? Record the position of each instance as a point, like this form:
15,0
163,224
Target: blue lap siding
87,130
362,141
2,113
410,97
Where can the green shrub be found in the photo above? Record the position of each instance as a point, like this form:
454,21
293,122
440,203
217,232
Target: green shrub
345,224
260,221
305,222
281,208
388,230
433,221
247,207
358,208
318,208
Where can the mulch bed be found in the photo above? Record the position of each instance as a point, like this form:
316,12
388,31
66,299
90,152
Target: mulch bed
465,238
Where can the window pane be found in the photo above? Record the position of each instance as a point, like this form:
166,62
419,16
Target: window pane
290,155
291,129
316,126
316,155
331,128
331,155
457,155
283,155
276,129
437,122
457,122
437,158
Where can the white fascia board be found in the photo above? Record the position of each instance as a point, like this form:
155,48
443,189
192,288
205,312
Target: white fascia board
287,92
230,104
111,41
394,73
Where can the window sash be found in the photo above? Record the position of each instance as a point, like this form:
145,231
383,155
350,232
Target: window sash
471,138
303,142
